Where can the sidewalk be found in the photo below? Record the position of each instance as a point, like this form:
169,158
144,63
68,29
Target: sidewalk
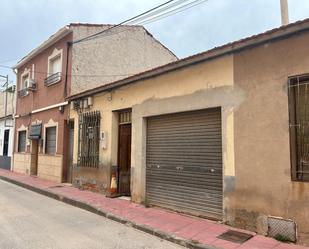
184,230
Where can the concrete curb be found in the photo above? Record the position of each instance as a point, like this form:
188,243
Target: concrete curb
147,229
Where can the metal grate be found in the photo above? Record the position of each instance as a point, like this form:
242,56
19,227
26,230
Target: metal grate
89,139
299,126
125,117
235,236
23,92
282,229
52,79
184,162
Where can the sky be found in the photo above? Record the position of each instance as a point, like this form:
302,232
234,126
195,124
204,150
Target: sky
25,24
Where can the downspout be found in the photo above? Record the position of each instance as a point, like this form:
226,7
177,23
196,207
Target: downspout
65,94
14,113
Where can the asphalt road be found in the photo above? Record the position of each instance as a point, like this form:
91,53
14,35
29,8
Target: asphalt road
29,220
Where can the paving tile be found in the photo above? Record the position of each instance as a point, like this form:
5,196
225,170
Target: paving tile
225,244
193,229
199,230
289,246
260,242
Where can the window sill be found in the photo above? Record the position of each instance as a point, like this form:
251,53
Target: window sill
300,181
54,155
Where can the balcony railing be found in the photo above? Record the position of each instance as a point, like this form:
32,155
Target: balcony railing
52,79
23,92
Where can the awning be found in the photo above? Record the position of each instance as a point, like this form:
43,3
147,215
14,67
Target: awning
35,131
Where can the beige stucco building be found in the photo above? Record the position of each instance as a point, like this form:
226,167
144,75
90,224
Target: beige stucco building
210,135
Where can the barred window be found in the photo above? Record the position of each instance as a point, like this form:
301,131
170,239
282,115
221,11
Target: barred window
21,141
298,89
89,139
50,140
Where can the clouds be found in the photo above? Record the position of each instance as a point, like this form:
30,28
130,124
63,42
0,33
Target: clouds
24,24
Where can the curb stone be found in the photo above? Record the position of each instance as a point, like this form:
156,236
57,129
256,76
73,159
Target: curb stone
85,206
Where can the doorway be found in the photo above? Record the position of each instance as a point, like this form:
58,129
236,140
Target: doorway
124,153
34,156
6,142
70,152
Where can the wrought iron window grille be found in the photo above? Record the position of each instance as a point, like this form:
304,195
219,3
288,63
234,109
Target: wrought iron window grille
23,92
298,94
52,79
89,139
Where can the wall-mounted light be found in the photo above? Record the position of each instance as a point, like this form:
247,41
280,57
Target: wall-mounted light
110,96
90,101
61,109
72,105
85,103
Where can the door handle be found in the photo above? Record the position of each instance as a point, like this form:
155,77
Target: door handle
179,168
212,170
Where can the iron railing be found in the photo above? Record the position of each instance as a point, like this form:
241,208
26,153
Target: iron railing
299,126
89,139
23,92
52,79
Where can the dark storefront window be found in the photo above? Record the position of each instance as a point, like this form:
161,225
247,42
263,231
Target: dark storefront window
298,87
50,140
89,139
21,141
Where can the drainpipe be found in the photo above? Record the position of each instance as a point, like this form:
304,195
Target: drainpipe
69,44
284,12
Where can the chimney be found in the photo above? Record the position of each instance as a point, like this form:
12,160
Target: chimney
284,12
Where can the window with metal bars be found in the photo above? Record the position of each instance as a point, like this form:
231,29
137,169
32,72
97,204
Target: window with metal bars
298,90
89,139
21,141
50,140
125,117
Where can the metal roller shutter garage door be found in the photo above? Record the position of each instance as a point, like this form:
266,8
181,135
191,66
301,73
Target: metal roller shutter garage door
184,162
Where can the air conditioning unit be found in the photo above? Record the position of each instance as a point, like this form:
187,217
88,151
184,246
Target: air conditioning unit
32,85
74,105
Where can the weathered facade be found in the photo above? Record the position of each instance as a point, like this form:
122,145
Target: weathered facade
223,116
61,66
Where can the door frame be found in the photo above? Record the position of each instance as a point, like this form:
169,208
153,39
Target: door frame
6,131
123,123
70,152
35,143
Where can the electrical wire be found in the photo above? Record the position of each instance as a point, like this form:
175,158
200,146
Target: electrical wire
147,17
175,11
154,19
156,12
76,75
144,18
4,66
4,61
123,22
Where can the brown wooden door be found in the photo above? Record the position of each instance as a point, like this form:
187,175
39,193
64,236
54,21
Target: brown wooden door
34,156
68,170
124,159
6,142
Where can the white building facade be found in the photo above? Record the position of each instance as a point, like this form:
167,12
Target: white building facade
7,102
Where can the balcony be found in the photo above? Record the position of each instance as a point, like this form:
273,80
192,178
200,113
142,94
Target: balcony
52,79
23,92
